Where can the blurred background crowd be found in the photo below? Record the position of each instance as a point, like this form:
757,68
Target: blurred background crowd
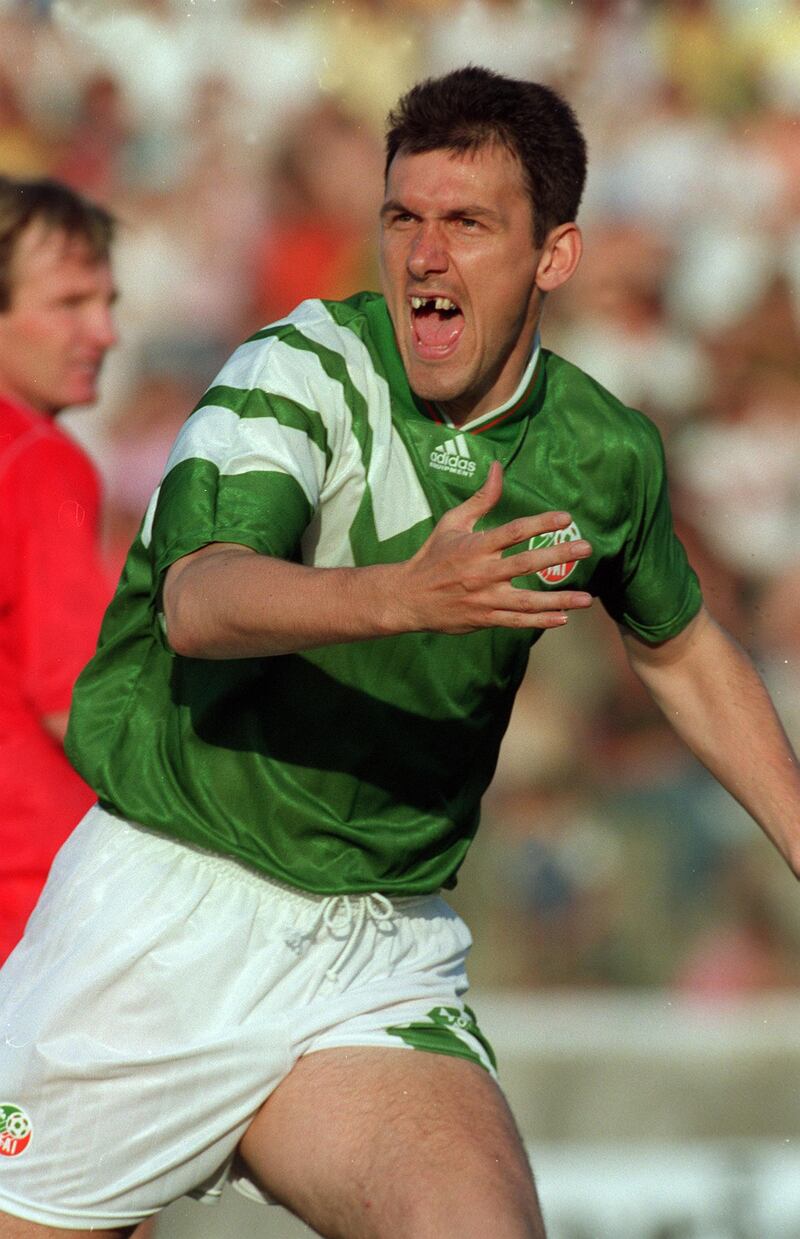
240,144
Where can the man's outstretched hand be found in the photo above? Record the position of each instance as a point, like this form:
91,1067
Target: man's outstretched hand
459,580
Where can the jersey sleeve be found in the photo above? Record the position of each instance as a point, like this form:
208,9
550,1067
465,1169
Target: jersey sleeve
248,466
62,587
652,589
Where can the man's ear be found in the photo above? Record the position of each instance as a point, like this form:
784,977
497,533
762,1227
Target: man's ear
560,256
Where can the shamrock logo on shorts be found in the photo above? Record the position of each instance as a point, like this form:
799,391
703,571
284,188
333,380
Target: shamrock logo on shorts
16,1130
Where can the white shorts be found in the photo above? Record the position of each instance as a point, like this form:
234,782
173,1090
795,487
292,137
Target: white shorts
160,994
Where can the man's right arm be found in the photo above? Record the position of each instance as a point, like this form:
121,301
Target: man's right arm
229,601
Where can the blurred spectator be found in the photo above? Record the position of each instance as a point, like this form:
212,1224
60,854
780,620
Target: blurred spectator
747,949
56,292
148,47
319,240
703,58
557,868
23,152
619,326
522,38
739,479
370,56
89,159
770,37
614,43
133,451
278,52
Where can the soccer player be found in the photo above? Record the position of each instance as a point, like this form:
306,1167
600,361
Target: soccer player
241,967
56,290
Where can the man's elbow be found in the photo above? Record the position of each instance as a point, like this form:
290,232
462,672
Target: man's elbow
195,601
182,631
180,641
192,624
181,637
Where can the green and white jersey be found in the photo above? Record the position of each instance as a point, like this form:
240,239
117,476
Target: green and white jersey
356,767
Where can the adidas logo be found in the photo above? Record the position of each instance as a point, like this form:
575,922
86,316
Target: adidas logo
453,457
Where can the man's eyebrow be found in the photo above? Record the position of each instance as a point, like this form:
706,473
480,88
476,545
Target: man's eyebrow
470,210
391,205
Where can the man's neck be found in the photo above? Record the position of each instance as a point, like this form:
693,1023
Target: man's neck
453,418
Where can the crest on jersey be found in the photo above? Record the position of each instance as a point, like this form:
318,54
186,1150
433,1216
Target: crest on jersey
16,1130
559,572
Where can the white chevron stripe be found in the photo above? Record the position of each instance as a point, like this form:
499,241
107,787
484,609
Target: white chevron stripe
243,444
398,499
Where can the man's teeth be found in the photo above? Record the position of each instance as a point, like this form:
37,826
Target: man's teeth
439,303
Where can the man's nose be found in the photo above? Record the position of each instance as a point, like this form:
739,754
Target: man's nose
102,327
428,254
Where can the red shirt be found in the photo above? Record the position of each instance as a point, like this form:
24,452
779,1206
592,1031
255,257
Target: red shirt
53,591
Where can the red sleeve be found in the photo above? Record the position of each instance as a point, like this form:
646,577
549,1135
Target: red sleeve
63,587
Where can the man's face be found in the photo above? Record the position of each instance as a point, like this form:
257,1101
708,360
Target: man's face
58,327
458,227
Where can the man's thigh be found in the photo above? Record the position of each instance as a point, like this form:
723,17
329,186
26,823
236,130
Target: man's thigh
17,1228
370,1143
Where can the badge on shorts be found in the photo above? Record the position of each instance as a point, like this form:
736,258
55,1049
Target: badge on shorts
16,1129
558,572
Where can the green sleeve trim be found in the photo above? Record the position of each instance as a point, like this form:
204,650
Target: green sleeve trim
655,634
265,510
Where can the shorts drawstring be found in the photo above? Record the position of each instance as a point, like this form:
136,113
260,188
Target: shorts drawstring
348,913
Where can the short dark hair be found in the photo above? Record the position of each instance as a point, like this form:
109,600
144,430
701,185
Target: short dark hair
472,107
59,209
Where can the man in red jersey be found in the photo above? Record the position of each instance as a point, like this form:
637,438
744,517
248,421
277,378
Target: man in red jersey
56,292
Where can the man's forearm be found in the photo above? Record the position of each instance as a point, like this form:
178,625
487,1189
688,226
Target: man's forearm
237,604
712,695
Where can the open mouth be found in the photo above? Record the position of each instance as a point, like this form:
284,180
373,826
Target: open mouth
436,324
